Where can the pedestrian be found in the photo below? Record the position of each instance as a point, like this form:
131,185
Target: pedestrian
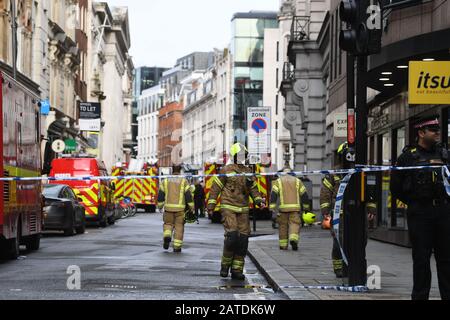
293,199
328,193
199,200
234,208
428,212
174,196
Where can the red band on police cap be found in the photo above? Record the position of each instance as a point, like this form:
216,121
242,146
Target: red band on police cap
427,123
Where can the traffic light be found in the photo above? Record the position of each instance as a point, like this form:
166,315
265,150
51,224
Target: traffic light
364,25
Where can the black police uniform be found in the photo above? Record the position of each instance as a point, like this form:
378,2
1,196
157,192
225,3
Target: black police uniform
428,216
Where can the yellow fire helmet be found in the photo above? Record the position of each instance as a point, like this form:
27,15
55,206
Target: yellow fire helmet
342,148
309,217
236,148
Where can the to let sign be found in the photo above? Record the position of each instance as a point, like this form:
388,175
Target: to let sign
90,110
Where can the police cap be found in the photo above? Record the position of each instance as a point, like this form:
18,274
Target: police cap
428,123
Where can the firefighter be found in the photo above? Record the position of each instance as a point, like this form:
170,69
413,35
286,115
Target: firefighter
234,208
328,193
293,200
428,209
175,197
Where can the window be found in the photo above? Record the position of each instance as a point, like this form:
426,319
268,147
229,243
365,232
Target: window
278,51
249,50
277,79
276,130
276,105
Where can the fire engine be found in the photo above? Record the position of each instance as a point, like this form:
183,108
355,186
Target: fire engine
21,204
143,192
263,183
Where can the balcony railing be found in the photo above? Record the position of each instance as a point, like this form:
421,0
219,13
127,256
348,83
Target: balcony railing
300,28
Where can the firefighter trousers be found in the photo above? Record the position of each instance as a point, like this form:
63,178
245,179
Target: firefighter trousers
339,266
289,228
174,224
237,230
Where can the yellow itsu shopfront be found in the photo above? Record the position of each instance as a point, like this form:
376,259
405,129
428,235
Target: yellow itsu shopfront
423,89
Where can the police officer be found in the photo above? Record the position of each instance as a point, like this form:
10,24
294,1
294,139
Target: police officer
428,208
293,200
328,193
234,208
174,196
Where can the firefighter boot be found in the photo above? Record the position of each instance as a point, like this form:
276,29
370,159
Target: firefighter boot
166,244
294,245
224,271
237,275
338,268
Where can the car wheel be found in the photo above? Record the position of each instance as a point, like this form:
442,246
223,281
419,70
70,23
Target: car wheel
33,242
81,229
69,230
112,220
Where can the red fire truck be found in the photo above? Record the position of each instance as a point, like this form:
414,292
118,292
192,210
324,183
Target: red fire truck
21,203
263,183
143,192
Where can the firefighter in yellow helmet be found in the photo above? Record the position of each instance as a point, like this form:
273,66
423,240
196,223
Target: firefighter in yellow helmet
293,197
175,197
328,193
234,208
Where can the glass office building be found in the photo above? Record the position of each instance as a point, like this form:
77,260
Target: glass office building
247,49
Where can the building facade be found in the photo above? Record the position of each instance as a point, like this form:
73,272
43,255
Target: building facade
412,32
110,79
149,104
247,52
304,87
170,117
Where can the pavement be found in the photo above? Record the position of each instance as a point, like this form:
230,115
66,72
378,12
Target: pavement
311,266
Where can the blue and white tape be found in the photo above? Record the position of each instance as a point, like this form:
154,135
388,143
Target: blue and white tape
336,288
337,213
299,174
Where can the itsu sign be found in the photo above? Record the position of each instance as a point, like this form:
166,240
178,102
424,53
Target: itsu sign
259,131
90,116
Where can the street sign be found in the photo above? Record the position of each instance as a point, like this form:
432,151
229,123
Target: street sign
58,146
340,125
90,125
90,116
45,107
259,132
90,110
71,145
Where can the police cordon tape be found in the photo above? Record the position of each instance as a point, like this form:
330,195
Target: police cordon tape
361,169
336,288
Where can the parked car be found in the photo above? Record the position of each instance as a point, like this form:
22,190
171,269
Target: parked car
96,196
63,210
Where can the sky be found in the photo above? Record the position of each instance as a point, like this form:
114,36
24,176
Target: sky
164,30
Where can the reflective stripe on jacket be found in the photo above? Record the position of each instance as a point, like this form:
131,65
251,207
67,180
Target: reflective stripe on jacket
292,194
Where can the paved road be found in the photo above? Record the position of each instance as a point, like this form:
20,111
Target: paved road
127,261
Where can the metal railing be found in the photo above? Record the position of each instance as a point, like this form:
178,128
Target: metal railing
300,28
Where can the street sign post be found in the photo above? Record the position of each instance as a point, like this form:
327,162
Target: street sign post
259,133
58,146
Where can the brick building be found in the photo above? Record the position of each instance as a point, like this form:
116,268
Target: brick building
169,140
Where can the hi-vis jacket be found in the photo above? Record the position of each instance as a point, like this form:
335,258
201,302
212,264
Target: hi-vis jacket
292,194
329,191
174,194
234,191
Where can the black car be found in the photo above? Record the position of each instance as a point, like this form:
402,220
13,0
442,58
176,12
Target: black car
62,210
